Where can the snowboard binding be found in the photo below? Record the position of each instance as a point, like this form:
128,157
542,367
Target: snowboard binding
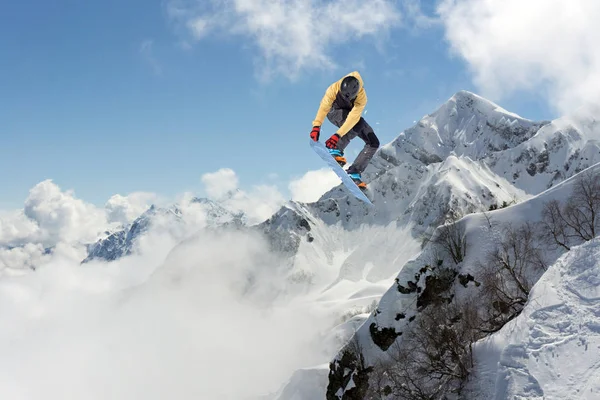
359,182
338,156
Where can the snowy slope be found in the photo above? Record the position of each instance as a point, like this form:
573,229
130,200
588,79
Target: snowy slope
557,151
399,301
551,351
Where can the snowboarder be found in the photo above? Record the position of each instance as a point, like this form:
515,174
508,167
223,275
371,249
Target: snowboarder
343,103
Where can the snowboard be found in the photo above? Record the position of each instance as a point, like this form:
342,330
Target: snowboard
323,152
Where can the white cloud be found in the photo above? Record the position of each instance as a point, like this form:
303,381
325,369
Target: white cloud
16,228
28,256
261,202
220,183
62,217
313,185
291,35
51,218
415,14
258,204
124,209
513,45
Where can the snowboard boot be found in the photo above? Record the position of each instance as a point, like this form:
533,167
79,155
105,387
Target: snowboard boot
357,179
338,156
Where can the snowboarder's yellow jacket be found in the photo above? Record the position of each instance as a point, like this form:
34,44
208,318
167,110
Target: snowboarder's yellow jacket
327,102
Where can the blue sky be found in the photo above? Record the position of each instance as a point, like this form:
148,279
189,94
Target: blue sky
118,97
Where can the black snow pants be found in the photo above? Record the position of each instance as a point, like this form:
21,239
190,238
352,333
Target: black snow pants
363,130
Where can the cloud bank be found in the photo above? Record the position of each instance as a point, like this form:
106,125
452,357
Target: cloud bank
193,326
56,220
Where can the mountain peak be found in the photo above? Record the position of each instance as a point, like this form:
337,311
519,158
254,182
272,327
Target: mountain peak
465,94
466,125
465,100
464,97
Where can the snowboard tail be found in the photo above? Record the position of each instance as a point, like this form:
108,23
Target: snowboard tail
323,152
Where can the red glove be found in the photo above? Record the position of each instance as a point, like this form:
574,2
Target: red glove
331,143
315,133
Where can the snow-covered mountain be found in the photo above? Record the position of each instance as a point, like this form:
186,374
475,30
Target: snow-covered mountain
467,157
466,125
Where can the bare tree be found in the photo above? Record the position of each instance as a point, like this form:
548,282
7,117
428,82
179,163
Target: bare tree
509,273
579,219
433,358
453,240
554,227
583,208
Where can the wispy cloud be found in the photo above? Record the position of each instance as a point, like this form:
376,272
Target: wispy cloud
538,45
147,52
418,18
290,35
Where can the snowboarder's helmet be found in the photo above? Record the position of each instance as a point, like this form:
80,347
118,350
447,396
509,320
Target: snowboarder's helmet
350,87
